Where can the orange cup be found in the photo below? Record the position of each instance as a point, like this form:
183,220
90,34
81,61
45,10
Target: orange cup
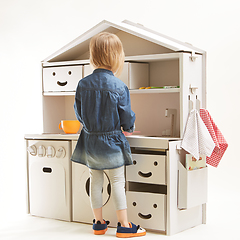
69,126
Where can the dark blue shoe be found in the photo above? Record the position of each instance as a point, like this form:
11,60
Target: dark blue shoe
132,231
98,228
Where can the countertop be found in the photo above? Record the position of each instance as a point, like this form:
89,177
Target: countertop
140,141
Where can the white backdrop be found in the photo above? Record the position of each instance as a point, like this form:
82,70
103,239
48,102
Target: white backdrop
31,30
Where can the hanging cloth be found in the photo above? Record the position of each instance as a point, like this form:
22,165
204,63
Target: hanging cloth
197,139
219,140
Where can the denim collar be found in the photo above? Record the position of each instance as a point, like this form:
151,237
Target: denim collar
103,70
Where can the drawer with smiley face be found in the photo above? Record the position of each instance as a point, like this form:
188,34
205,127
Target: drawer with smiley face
62,78
147,169
147,209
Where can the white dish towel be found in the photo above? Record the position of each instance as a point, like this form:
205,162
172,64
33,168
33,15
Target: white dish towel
197,139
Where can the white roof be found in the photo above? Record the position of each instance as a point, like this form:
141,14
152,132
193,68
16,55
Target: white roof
80,44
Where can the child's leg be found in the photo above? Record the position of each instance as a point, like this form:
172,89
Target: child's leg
122,217
97,212
117,180
96,185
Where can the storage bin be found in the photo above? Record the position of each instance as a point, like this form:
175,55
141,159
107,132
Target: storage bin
61,79
192,187
87,69
147,209
147,169
135,75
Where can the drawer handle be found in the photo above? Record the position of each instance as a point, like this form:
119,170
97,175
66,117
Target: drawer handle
47,170
62,84
145,175
148,216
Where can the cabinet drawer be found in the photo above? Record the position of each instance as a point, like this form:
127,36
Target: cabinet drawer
87,70
147,169
61,79
147,209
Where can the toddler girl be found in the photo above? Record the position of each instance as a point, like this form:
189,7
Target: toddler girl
102,105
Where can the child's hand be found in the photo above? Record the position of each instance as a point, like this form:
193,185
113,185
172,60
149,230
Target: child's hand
128,134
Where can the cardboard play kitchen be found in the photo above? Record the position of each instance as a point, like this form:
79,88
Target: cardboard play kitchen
166,79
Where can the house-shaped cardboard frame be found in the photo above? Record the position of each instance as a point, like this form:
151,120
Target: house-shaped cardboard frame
157,183
171,62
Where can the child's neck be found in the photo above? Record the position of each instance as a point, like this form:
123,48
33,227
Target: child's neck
105,68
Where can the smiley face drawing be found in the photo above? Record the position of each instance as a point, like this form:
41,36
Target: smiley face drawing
148,209
62,78
147,169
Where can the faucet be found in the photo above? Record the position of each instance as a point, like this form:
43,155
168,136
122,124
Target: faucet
172,113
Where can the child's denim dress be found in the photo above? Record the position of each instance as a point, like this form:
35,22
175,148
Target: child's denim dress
103,106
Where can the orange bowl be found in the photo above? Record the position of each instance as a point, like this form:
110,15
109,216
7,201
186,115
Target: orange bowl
69,126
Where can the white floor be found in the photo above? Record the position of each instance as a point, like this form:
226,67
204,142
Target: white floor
35,228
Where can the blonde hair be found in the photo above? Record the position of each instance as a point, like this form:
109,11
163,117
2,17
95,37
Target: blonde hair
106,51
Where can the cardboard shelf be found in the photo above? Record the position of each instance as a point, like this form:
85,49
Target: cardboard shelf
154,90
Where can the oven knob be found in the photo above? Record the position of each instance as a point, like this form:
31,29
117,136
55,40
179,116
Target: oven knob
41,151
61,152
32,150
50,151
